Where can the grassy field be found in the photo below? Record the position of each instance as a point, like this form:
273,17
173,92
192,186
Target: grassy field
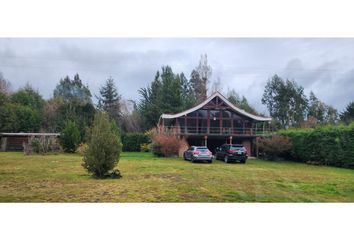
60,178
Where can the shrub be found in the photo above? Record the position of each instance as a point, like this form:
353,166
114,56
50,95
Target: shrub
104,148
70,137
145,147
82,148
132,141
166,145
326,145
275,146
42,145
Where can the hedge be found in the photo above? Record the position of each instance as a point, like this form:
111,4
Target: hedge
329,145
133,141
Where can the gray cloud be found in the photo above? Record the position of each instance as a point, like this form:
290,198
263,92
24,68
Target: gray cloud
325,66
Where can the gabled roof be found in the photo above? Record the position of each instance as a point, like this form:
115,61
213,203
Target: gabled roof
227,102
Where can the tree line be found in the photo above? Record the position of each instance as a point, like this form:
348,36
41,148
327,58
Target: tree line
25,110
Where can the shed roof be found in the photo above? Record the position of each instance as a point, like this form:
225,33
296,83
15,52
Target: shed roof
21,134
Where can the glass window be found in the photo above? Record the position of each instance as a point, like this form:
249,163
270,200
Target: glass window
238,126
191,125
202,125
202,113
192,114
214,114
226,114
236,116
214,126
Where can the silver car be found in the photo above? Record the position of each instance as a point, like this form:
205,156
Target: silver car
198,153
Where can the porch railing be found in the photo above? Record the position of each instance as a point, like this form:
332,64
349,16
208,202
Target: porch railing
251,131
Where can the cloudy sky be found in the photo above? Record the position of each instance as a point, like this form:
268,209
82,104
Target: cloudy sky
325,66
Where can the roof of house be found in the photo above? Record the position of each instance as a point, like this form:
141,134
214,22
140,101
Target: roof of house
216,94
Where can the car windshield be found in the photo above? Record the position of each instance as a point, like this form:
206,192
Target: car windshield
202,149
236,147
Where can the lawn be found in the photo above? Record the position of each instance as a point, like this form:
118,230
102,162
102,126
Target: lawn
60,178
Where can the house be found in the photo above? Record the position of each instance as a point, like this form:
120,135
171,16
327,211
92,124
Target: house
214,122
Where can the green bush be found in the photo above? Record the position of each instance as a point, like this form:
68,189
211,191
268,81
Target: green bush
133,141
104,148
70,137
275,146
329,145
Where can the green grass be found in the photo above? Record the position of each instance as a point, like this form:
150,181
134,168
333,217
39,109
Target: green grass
60,178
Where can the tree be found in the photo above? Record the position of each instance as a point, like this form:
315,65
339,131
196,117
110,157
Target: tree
347,116
239,102
104,147
70,137
130,119
168,93
149,106
51,116
286,101
187,93
5,85
75,104
109,100
27,96
18,118
321,112
200,78
73,90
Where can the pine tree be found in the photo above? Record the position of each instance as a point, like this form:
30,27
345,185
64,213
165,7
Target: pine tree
109,100
348,115
104,148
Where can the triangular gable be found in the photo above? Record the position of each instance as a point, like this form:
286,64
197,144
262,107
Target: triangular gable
209,102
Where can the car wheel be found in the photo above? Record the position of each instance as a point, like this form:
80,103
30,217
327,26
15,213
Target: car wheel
192,159
243,161
184,156
210,161
226,159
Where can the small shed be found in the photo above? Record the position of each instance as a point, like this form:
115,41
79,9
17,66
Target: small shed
15,141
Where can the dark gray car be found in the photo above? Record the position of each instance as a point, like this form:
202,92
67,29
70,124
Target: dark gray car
232,153
198,153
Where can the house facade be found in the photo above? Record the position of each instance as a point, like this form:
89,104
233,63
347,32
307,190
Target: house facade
214,122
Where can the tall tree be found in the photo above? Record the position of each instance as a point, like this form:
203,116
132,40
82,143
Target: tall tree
321,112
239,102
187,94
76,104
200,78
130,120
73,90
168,93
27,96
347,116
286,101
109,100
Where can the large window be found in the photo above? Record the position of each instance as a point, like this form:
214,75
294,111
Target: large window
238,126
191,125
202,125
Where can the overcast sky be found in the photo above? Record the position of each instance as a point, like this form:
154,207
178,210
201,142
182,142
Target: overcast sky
325,66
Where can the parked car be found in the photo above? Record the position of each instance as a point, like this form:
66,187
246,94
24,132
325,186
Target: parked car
198,153
231,153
